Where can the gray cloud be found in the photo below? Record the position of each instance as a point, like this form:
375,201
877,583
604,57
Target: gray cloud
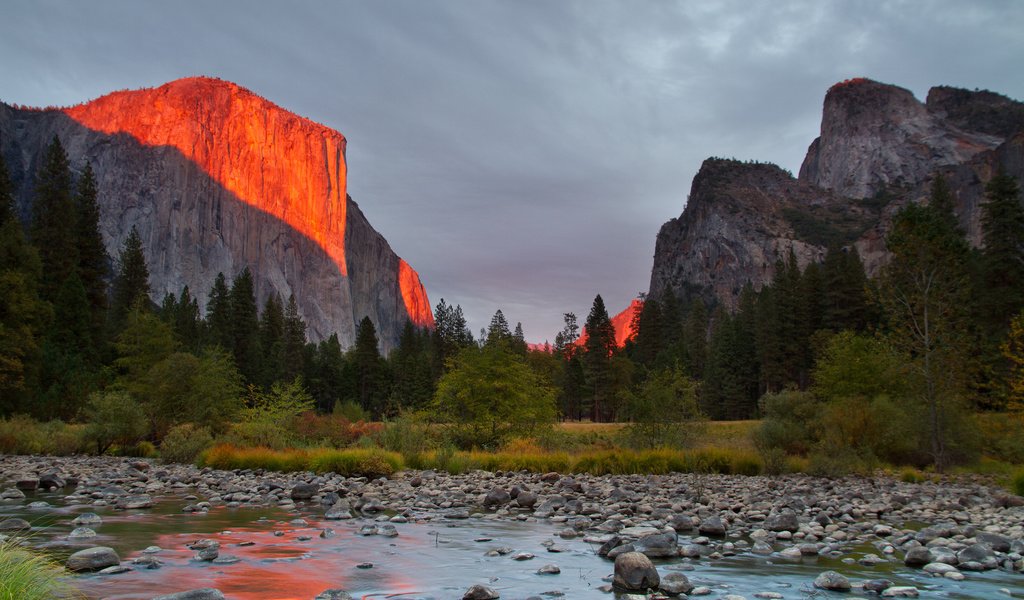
522,155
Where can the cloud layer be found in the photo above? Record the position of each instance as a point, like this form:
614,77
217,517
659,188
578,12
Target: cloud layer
522,155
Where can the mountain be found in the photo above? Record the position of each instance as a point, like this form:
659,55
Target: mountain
879,149
216,179
622,323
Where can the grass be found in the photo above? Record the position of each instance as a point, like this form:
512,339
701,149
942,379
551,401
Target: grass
349,462
28,576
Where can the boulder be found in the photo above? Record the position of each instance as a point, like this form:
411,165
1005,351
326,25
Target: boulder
675,583
198,594
918,557
304,491
15,524
92,559
785,521
634,572
480,592
830,580
497,497
657,545
712,526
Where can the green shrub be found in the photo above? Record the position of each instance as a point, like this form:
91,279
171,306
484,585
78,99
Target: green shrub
350,410
183,443
21,434
910,475
789,422
1017,483
350,462
408,434
114,418
836,462
143,449
28,576
774,461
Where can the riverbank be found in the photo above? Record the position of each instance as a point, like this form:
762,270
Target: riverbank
963,523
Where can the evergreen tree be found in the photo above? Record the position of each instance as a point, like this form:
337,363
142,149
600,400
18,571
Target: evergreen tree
648,332
294,342
54,221
450,335
1002,258
245,341
571,381
598,351
67,379
518,340
92,255
187,324
131,284
272,341
369,369
218,314
498,331
696,335
326,370
23,315
413,386
844,291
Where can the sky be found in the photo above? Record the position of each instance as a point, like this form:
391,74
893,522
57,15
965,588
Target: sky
523,154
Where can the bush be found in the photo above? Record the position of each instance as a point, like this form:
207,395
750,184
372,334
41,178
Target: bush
143,449
1017,483
663,413
836,462
351,411
20,434
28,576
909,475
334,430
407,434
789,422
350,462
114,418
183,443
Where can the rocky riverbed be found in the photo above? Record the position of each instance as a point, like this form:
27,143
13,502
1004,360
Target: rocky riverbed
674,535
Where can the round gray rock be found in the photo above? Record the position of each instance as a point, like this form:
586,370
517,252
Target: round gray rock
712,526
634,572
830,580
480,592
675,583
93,559
334,595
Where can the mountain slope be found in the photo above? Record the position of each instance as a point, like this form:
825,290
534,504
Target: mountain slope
216,179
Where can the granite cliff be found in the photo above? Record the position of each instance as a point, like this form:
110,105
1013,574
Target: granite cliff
879,149
216,179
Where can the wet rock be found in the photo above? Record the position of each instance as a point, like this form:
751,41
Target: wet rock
526,499
937,568
997,542
115,570
12,494
681,523
877,585
657,545
675,583
497,497
387,530
304,491
712,526
549,570
830,580
480,592
334,594
339,511
92,559
901,591
785,521
199,594
27,483
81,533
761,548
15,524
134,502
365,565
87,519
522,556
918,557
51,481
634,572
147,562
979,553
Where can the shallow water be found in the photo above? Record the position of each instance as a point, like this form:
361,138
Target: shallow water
437,559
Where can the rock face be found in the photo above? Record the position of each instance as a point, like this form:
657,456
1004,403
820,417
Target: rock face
878,150
216,179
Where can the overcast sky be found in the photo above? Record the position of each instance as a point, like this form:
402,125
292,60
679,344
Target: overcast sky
523,154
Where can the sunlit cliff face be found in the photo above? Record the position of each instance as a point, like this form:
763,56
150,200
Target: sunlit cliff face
285,165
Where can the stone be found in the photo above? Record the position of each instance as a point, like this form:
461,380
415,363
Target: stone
937,568
334,594
675,583
497,497
918,557
15,524
51,481
830,580
80,533
712,526
999,543
92,559
526,499
87,518
980,553
198,594
480,592
901,591
304,491
549,570
877,585
339,511
134,502
634,572
785,521
12,494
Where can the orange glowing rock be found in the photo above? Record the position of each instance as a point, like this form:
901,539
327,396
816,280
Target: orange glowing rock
623,324
280,163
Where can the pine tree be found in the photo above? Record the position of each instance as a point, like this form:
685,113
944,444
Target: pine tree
245,342
648,332
294,341
696,335
23,315
54,221
327,368
368,365
1002,258
187,324
498,332
272,341
67,379
92,254
131,284
413,386
599,348
218,314
518,340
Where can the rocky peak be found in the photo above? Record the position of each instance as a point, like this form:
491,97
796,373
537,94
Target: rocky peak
876,135
981,111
